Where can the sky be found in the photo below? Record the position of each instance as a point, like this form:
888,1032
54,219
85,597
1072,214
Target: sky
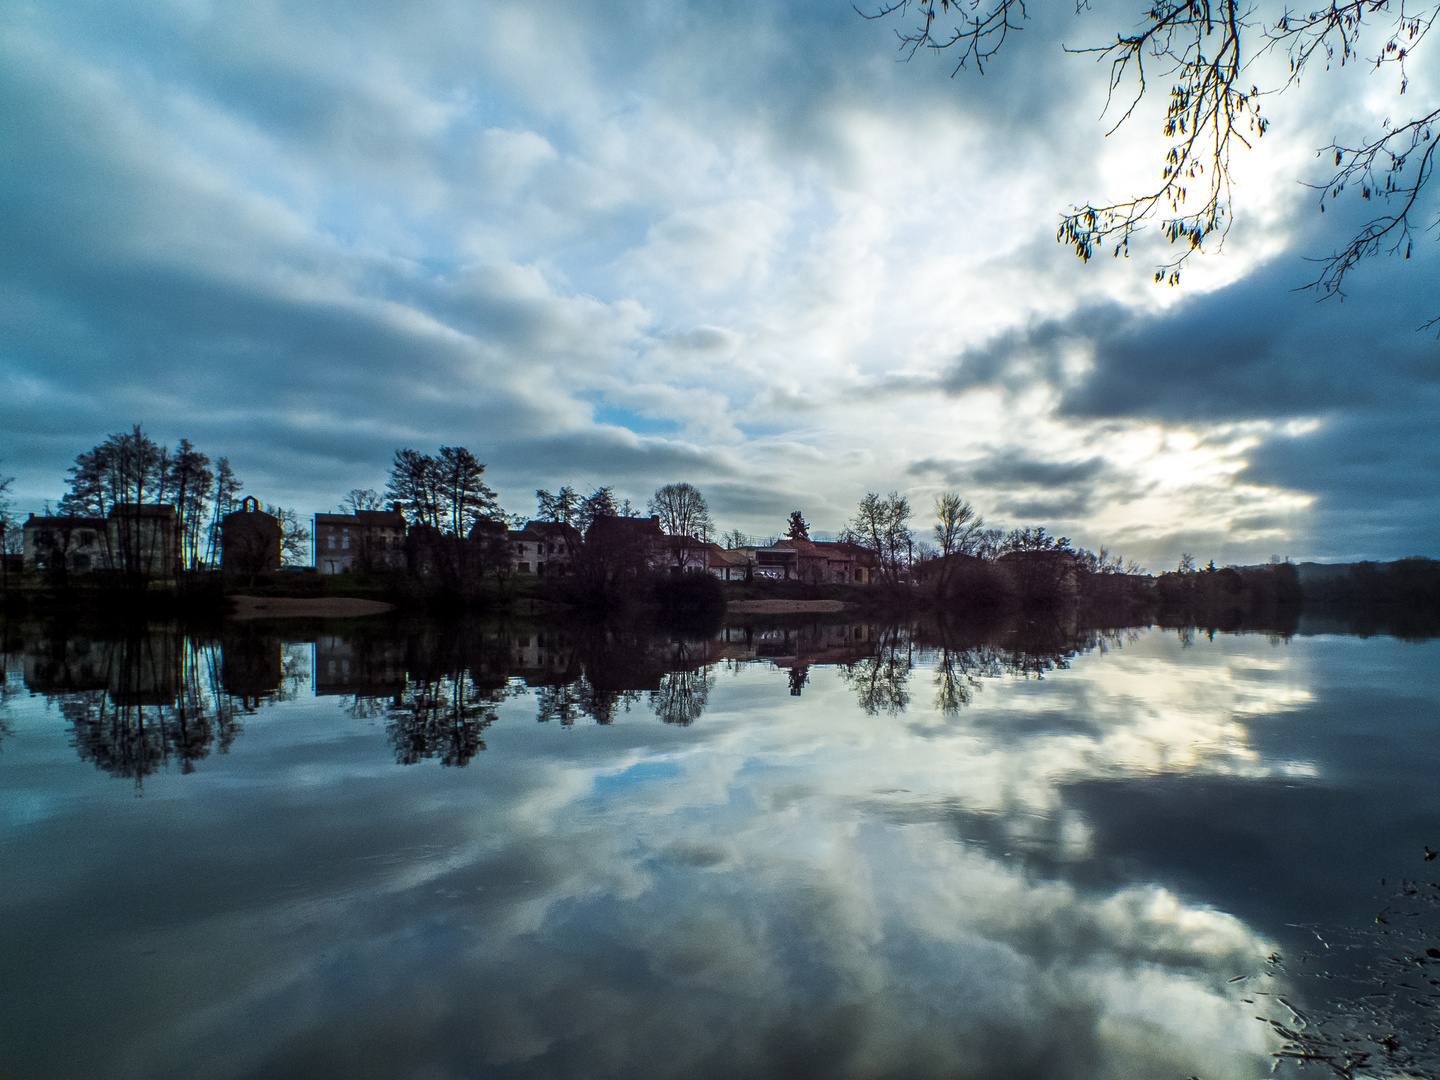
741,245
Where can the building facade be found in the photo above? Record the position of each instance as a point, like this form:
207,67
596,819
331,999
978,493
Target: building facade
816,561
250,539
134,538
543,548
74,544
366,540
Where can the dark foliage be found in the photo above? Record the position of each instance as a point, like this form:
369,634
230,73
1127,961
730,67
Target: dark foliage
1232,598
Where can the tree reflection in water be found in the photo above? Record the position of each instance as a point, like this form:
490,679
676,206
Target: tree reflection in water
881,681
143,700
159,698
9,686
683,695
442,718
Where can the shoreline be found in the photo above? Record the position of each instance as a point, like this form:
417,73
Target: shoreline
785,607
305,607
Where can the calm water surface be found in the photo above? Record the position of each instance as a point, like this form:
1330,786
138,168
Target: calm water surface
831,851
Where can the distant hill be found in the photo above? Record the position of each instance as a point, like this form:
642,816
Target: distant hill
1322,573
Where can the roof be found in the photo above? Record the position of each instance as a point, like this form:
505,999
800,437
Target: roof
250,514
487,525
387,519
720,556
823,549
548,529
62,520
625,529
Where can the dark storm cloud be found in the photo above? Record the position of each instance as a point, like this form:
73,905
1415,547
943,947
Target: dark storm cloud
1012,469
1358,371
1028,488
1255,349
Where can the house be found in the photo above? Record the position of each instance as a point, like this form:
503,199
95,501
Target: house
250,539
728,564
134,538
543,548
64,543
142,539
835,561
1048,572
816,561
364,540
362,667
626,544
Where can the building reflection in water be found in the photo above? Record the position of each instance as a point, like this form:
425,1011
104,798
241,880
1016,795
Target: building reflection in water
138,702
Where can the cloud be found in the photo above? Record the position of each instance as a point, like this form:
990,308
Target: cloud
302,238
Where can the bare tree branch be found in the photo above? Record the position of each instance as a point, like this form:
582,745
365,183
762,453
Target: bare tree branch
1204,49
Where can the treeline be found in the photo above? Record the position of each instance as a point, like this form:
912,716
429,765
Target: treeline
132,468
1400,598
1231,597
606,551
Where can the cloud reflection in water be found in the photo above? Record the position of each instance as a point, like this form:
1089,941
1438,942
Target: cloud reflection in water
776,885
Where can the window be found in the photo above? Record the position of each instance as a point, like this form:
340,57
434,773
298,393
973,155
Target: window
345,541
524,567
331,541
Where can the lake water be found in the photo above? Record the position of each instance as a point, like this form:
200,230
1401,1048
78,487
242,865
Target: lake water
829,850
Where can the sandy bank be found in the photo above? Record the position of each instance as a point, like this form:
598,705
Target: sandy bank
292,607
784,607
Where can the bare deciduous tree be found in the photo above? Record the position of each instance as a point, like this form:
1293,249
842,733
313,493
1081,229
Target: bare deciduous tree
357,499
883,526
294,537
1203,53
685,518
957,532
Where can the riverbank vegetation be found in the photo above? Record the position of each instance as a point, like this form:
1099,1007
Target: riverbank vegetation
461,551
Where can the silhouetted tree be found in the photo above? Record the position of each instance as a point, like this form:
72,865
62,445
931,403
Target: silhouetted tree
797,528
127,468
448,505
227,488
882,525
957,532
7,528
294,537
685,518
599,503
414,484
357,499
190,484
563,507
